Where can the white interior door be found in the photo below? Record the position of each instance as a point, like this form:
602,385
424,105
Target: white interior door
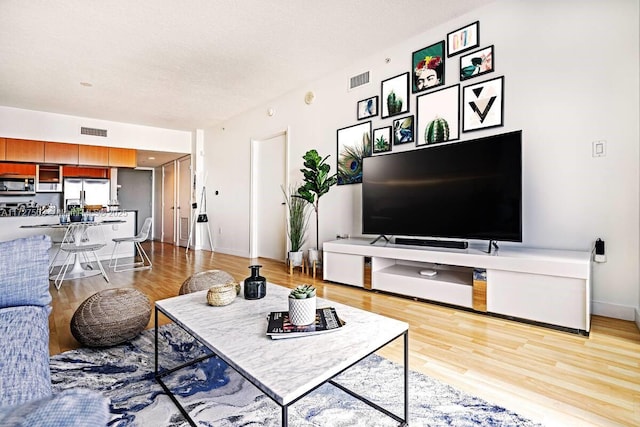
184,200
168,203
270,165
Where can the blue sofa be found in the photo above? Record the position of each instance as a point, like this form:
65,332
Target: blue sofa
25,380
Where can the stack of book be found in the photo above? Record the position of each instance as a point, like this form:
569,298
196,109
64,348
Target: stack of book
279,326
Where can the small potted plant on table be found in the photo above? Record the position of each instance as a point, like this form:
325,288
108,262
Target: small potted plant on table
302,305
75,214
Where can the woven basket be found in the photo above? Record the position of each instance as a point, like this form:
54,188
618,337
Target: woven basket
111,317
219,295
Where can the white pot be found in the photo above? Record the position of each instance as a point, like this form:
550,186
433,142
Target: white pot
314,255
302,311
295,258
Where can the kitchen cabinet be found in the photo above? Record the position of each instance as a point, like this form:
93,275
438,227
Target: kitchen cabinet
24,150
122,157
93,155
61,153
17,169
3,144
85,172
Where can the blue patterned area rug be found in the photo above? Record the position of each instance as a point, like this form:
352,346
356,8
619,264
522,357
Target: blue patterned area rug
215,395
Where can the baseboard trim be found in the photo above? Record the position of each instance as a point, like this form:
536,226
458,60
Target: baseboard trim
615,311
231,252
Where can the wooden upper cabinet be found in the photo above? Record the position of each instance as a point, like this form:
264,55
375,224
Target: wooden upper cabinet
61,153
122,157
93,155
24,150
3,149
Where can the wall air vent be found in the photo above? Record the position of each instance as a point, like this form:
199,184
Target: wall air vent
93,132
359,80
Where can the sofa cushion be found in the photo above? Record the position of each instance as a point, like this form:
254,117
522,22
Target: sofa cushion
24,364
24,276
74,407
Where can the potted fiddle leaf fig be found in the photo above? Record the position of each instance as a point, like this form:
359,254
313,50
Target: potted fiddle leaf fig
317,182
298,220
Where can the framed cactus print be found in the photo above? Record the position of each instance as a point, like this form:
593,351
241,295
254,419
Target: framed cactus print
354,144
382,139
476,63
368,108
403,130
438,116
395,95
483,105
463,39
427,67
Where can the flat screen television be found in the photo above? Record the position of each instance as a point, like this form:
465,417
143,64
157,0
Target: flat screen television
462,190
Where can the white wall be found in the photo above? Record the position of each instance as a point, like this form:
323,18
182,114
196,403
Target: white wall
571,77
28,124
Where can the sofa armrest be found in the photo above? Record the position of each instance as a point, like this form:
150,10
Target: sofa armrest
24,272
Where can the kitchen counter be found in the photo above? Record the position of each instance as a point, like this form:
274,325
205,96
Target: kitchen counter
10,228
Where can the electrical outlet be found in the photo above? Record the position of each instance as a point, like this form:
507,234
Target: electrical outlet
599,148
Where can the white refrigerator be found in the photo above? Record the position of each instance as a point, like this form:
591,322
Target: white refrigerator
87,191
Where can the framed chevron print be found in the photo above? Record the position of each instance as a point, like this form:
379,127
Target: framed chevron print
483,105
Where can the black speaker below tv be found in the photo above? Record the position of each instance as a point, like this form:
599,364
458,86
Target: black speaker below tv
460,190
449,244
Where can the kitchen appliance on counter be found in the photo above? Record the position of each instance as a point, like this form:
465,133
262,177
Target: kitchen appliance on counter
87,191
17,185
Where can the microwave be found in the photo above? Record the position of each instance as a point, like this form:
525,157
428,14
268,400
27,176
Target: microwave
16,185
49,179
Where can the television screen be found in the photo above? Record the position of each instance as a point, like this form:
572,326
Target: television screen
469,190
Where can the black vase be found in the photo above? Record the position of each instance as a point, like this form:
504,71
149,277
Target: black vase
255,286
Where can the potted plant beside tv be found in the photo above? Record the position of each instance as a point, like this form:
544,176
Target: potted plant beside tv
298,220
317,183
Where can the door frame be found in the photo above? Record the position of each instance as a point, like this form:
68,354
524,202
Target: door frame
253,196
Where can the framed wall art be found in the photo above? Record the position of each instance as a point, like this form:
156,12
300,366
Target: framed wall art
427,67
483,105
476,63
368,108
354,143
403,130
382,139
395,95
463,39
439,116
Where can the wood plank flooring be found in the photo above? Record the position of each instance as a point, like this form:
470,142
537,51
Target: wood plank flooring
553,377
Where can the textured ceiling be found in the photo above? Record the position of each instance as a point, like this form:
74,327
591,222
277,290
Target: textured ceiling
192,63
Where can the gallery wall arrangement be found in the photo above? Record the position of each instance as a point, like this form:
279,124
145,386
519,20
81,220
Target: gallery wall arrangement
442,113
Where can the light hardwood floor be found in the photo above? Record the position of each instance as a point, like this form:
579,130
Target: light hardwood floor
553,377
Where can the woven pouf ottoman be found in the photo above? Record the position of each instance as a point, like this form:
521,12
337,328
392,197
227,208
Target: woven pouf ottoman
111,317
205,280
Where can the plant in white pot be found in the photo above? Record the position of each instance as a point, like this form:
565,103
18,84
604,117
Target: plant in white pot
317,183
297,222
302,305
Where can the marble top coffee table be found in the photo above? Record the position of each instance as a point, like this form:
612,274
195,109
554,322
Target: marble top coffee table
236,333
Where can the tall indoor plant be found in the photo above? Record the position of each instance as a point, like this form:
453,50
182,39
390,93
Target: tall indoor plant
317,182
298,220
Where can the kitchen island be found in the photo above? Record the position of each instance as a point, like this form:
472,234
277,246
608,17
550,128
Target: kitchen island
11,227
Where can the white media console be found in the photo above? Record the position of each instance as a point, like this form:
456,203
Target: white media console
551,287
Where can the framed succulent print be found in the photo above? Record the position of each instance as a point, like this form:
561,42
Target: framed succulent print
382,139
368,108
354,144
439,116
477,63
483,105
463,39
403,130
427,67
395,95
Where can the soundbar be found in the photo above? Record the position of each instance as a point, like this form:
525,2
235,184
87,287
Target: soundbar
451,244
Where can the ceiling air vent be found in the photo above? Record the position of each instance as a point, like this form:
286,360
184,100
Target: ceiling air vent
359,80
93,132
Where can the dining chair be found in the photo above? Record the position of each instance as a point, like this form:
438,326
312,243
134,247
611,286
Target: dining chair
145,262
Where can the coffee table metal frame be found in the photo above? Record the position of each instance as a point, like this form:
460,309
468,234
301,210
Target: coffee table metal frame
403,421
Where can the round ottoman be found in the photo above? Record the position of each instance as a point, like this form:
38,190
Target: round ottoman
111,317
205,280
